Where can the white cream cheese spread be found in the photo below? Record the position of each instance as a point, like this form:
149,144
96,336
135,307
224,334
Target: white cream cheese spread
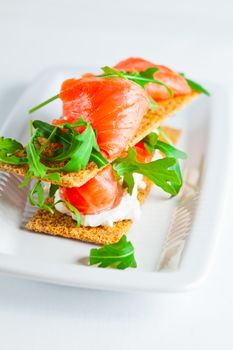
128,208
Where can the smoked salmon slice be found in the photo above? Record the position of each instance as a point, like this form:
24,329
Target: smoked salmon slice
172,79
142,155
102,192
113,106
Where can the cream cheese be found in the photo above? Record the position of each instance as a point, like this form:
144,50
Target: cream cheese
128,208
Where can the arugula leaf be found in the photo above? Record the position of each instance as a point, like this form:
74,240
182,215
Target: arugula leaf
195,86
81,151
161,172
150,142
78,149
128,182
170,151
77,123
83,144
49,140
35,166
119,255
12,159
98,158
52,190
47,129
78,216
10,145
112,71
7,149
149,72
37,198
26,180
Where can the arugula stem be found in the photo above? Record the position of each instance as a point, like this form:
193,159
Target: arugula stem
31,128
165,135
138,78
113,256
129,77
48,140
43,104
155,81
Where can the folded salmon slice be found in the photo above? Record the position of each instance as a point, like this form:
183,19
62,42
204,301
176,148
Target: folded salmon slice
172,79
113,106
102,192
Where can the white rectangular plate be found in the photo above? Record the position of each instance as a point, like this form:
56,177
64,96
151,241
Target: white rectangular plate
206,138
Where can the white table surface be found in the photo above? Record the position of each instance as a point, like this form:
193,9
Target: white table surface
195,37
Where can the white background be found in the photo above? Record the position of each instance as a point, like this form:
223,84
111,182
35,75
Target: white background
192,36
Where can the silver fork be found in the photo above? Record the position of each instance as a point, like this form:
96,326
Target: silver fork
11,193
181,221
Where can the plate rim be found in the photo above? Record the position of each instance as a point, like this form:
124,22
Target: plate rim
192,273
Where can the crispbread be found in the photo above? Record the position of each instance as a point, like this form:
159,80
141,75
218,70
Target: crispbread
150,121
58,224
165,109
63,225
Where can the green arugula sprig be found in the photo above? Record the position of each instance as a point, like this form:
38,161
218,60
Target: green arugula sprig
8,151
195,86
119,255
161,172
141,78
164,135
10,145
42,104
152,142
52,190
35,167
165,173
78,216
75,149
38,198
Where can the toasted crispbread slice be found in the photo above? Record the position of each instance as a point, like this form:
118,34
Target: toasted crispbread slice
165,109
150,121
59,224
63,225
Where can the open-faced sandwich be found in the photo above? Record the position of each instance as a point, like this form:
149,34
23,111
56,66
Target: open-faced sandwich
93,167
